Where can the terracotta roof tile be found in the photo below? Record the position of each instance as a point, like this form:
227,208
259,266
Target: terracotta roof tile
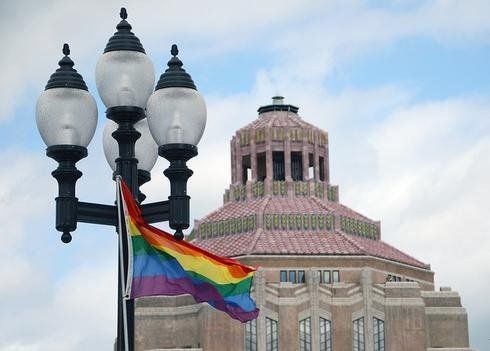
296,205
235,209
381,249
342,210
305,243
278,119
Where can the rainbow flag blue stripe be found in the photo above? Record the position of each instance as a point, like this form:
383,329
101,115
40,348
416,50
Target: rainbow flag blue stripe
162,265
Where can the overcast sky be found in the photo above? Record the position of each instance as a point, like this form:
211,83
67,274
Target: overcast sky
402,87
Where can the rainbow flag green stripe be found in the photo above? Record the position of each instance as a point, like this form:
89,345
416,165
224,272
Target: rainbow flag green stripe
151,266
162,265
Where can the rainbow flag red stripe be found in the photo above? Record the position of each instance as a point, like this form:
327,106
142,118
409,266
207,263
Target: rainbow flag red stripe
161,265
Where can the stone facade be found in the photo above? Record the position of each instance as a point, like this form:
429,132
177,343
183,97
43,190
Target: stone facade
326,279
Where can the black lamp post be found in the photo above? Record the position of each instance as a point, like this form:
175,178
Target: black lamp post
171,121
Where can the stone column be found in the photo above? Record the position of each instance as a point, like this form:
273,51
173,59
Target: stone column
306,160
233,160
316,161
287,157
313,282
366,285
238,160
259,286
253,160
326,166
268,165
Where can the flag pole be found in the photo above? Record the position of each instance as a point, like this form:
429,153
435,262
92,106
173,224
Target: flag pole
121,265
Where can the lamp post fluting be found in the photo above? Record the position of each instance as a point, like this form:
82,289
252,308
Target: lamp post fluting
141,122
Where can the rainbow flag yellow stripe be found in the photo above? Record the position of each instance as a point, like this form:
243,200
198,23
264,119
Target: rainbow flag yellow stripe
162,265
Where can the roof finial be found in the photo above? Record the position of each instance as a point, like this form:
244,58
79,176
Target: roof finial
66,49
123,13
175,50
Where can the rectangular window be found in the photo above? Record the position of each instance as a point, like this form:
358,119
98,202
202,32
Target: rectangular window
261,167
326,277
325,335
292,276
251,335
311,166
271,341
297,166
283,276
321,276
301,277
278,165
246,168
335,276
358,334
321,164
305,334
379,334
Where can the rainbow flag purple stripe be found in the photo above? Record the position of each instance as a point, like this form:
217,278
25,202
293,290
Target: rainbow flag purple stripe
161,265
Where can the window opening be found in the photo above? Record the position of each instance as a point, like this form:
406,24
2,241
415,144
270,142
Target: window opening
261,167
325,335
358,337
271,335
311,166
305,334
296,166
283,276
321,164
278,165
251,335
327,277
246,169
379,334
301,277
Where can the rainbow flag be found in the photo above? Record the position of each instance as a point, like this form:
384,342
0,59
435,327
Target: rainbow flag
161,265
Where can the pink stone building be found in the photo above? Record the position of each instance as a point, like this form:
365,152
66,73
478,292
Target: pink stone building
327,281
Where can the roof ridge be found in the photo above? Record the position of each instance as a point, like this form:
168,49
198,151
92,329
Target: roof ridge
355,211
325,206
254,241
404,253
353,242
215,211
322,204
259,231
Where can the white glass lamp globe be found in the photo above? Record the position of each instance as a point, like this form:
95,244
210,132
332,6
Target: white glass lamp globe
124,75
66,116
66,113
146,150
124,78
176,115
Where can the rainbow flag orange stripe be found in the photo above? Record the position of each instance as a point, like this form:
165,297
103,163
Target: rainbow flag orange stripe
161,265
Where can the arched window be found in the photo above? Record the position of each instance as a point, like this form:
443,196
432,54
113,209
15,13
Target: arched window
325,335
305,334
251,335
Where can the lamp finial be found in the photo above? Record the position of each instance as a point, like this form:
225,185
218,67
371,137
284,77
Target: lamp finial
123,13
66,49
175,50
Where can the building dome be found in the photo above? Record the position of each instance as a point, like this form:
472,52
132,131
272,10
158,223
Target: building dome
281,200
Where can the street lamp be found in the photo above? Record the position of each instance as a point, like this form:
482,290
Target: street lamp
66,116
